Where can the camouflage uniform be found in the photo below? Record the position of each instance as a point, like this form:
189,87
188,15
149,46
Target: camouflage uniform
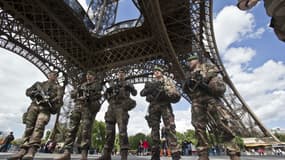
118,96
37,116
86,107
157,93
203,104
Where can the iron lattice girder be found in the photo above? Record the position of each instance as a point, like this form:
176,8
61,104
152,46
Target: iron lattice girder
132,46
20,40
61,36
171,31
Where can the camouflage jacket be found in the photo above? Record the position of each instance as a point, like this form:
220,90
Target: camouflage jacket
87,92
202,75
161,91
49,90
120,90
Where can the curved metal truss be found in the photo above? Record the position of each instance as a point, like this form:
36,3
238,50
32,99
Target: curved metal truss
54,33
37,51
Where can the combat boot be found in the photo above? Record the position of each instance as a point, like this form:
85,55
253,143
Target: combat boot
203,157
66,155
175,156
234,155
155,154
84,154
31,154
203,154
124,154
106,155
18,155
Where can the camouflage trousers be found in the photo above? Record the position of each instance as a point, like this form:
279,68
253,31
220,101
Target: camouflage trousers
156,111
83,115
36,118
116,114
206,109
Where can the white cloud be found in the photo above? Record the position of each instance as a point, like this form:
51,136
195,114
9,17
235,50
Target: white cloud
16,75
231,25
262,87
257,34
238,55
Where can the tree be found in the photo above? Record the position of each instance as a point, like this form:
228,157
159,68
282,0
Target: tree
98,135
134,140
189,136
281,137
238,140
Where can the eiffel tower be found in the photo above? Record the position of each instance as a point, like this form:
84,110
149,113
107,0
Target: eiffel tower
60,35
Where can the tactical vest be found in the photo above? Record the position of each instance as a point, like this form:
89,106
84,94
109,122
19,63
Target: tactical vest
91,91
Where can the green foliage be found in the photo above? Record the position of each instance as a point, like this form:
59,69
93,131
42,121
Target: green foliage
281,137
134,140
189,136
98,135
238,140
48,132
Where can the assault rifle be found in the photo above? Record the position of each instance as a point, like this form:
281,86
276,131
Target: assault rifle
116,87
41,97
155,89
85,94
196,80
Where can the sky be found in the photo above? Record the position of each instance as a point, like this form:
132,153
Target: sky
251,53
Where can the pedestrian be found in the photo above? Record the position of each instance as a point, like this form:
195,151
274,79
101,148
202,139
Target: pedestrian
140,148
7,142
145,147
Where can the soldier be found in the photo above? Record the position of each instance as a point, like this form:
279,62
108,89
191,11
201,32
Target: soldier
118,96
87,104
160,93
46,99
205,88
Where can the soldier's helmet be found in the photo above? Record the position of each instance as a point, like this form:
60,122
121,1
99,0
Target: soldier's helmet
90,72
157,68
193,57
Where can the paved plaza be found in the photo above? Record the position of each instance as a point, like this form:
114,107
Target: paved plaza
43,156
